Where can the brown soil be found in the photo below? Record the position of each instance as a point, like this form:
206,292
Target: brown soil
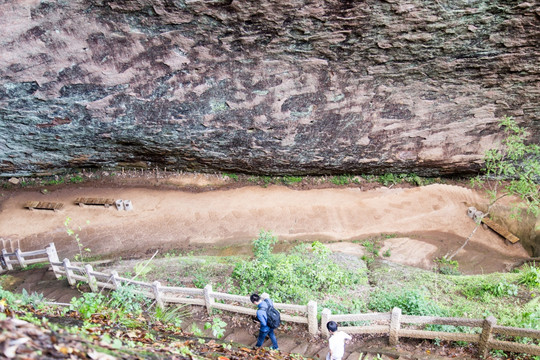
186,211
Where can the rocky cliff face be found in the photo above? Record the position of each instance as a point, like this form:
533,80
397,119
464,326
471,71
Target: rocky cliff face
266,86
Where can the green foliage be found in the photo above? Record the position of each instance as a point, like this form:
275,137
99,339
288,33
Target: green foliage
218,327
515,167
8,297
231,176
447,267
290,180
142,269
88,304
33,299
55,181
127,299
119,305
76,179
172,315
530,276
196,330
484,291
262,246
299,276
341,180
411,302
389,179
71,232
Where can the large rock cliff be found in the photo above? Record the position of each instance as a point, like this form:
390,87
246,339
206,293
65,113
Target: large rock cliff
265,86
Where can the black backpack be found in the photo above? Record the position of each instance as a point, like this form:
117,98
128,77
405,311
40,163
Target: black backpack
273,316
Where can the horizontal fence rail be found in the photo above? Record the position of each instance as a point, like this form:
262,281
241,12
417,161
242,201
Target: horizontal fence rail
482,331
486,333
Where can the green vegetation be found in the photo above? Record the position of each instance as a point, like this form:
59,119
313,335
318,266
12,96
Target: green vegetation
298,276
75,235
510,170
76,179
390,179
513,169
218,327
341,179
231,176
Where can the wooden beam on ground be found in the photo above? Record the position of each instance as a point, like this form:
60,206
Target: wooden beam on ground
42,205
501,230
94,201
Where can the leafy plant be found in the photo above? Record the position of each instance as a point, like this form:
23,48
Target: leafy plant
341,180
196,330
33,299
411,302
512,169
75,236
530,276
142,269
262,246
289,180
389,179
231,176
75,179
172,314
295,276
446,266
218,327
88,304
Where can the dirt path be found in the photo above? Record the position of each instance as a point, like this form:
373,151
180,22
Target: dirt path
427,221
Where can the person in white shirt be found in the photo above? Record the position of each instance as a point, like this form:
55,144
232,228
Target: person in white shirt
337,341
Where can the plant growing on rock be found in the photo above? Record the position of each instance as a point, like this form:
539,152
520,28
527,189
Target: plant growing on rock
513,169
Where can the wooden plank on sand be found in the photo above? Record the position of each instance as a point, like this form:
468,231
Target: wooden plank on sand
501,230
43,205
94,201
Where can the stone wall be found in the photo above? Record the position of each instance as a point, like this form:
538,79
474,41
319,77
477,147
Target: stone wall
266,86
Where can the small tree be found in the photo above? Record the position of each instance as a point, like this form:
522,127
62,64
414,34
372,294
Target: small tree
513,169
71,232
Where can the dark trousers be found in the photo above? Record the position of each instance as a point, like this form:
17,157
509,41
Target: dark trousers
262,337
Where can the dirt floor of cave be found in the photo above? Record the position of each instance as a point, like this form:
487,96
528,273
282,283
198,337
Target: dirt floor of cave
187,211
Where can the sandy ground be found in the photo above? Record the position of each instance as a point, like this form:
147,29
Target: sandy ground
427,222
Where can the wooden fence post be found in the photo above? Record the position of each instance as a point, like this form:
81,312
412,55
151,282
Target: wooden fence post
485,337
325,317
157,295
69,273
114,279
20,258
91,279
6,259
208,298
395,317
312,317
53,257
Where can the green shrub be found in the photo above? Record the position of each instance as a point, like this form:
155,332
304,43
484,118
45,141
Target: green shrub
289,180
298,276
530,276
411,302
75,179
231,176
341,180
88,304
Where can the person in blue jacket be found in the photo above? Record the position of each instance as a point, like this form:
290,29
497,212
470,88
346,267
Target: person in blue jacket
265,330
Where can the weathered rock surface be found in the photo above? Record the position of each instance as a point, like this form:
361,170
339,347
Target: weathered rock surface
266,86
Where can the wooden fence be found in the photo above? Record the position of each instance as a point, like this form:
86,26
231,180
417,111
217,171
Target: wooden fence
485,333
391,323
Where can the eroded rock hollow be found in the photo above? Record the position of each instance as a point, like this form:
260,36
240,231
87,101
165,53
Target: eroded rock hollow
266,86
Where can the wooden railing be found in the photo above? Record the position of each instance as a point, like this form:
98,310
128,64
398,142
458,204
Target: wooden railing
393,324
23,259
